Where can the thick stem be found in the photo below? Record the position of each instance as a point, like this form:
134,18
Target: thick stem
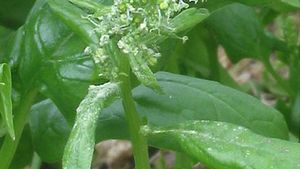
140,148
139,143
9,145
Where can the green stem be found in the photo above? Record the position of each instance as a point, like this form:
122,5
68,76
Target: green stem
9,145
139,143
140,148
36,161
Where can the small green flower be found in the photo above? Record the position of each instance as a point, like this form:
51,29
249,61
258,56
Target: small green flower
127,23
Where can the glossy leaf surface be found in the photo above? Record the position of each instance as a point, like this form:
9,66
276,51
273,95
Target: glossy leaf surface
210,101
50,56
186,98
223,145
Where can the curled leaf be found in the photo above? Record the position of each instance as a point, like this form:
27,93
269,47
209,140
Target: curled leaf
143,72
80,146
5,99
189,18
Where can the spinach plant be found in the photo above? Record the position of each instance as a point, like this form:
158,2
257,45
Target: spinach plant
78,72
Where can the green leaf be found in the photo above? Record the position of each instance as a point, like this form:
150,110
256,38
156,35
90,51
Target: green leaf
223,145
186,98
24,151
294,3
50,56
239,31
73,17
5,99
189,18
143,73
49,130
80,146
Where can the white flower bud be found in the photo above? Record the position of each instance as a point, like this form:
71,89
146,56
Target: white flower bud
104,39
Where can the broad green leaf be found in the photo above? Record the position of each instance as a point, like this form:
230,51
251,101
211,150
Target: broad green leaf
222,145
5,99
80,146
24,152
186,98
241,35
50,56
49,130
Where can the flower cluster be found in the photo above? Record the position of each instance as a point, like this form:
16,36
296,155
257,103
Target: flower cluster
129,20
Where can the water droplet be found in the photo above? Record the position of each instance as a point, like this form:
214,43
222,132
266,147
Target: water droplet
209,149
170,97
269,141
204,121
240,128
